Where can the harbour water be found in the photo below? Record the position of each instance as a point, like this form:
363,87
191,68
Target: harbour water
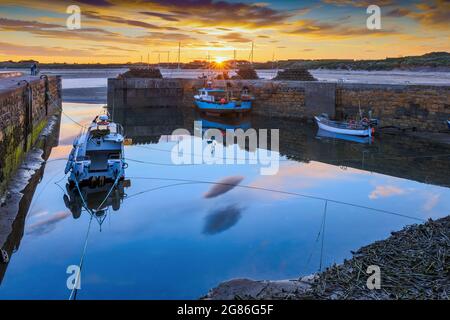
73,78
174,233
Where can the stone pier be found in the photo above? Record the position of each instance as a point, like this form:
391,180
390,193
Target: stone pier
26,104
417,107
29,128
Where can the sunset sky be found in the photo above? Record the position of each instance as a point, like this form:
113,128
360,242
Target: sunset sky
122,31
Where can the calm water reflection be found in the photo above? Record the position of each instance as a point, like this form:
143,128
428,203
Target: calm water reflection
162,235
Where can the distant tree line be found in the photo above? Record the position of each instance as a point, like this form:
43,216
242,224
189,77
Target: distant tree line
434,61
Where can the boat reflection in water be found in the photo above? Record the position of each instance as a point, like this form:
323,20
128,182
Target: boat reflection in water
324,134
96,200
224,124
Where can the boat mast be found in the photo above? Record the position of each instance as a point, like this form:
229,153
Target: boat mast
179,55
251,54
234,61
209,65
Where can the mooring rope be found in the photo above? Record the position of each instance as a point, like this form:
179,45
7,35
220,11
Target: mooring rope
92,214
282,192
323,234
80,266
71,119
316,241
441,155
244,159
109,192
162,164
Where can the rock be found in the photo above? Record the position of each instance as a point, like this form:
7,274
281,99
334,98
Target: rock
246,73
295,74
151,73
262,290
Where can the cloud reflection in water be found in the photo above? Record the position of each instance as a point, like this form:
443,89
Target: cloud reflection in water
222,219
223,186
47,225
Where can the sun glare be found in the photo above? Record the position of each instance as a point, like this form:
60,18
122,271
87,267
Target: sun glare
220,60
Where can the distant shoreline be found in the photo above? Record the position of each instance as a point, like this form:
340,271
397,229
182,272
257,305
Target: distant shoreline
109,67
430,62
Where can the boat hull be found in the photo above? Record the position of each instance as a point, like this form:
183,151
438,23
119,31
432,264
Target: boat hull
223,108
81,172
323,134
352,132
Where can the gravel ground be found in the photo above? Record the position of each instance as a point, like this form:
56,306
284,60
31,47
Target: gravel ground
414,264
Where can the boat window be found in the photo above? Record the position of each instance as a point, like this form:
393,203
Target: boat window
114,155
102,127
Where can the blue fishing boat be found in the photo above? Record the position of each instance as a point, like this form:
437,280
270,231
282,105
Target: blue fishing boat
448,124
97,154
218,102
224,123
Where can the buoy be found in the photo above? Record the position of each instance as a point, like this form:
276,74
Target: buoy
223,100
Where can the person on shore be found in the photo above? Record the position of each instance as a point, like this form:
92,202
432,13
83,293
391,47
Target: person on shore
34,69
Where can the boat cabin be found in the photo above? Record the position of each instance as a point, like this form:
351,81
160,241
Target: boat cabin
104,141
212,95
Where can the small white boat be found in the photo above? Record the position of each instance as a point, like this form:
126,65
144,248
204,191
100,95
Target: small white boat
353,128
323,135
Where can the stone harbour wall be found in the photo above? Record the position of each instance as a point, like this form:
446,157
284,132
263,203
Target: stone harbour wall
420,107
24,112
272,98
425,108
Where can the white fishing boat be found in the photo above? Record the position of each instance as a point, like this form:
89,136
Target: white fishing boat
361,128
327,135
97,154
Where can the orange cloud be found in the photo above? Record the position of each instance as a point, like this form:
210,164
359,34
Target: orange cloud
359,3
317,29
433,13
125,31
234,37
